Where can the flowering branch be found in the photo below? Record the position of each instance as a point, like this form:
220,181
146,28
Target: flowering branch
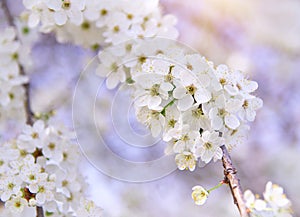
28,111
234,183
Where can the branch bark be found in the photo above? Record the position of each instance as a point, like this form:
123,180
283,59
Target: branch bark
28,111
39,211
234,183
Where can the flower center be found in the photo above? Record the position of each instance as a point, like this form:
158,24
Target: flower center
31,177
103,12
222,112
169,77
142,59
189,66
222,81
114,67
51,146
207,145
154,91
42,189
10,186
185,138
66,4
191,89
35,135
18,204
129,16
246,104
197,113
65,156
85,25
65,183
116,29
172,123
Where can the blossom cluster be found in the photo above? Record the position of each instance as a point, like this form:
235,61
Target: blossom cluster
274,202
194,106
11,90
40,168
98,23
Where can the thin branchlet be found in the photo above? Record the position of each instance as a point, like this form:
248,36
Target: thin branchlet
232,180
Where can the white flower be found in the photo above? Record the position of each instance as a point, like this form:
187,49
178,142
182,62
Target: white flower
31,172
86,34
110,67
71,155
236,137
226,79
32,137
196,118
9,185
151,118
189,91
16,204
67,9
186,160
172,123
52,148
96,10
166,27
275,196
44,191
117,30
151,90
209,148
68,183
254,203
88,208
199,195
275,202
224,112
185,139
249,108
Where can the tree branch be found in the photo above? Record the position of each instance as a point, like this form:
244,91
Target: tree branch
28,111
39,211
234,183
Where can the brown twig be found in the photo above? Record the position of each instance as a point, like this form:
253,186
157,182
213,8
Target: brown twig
39,211
28,111
234,183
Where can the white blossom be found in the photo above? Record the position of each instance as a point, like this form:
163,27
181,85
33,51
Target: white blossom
46,175
9,185
151,118
88,208
199,195
16,204
209,147
274,202
185,160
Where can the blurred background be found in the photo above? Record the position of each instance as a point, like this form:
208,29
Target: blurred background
261,37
